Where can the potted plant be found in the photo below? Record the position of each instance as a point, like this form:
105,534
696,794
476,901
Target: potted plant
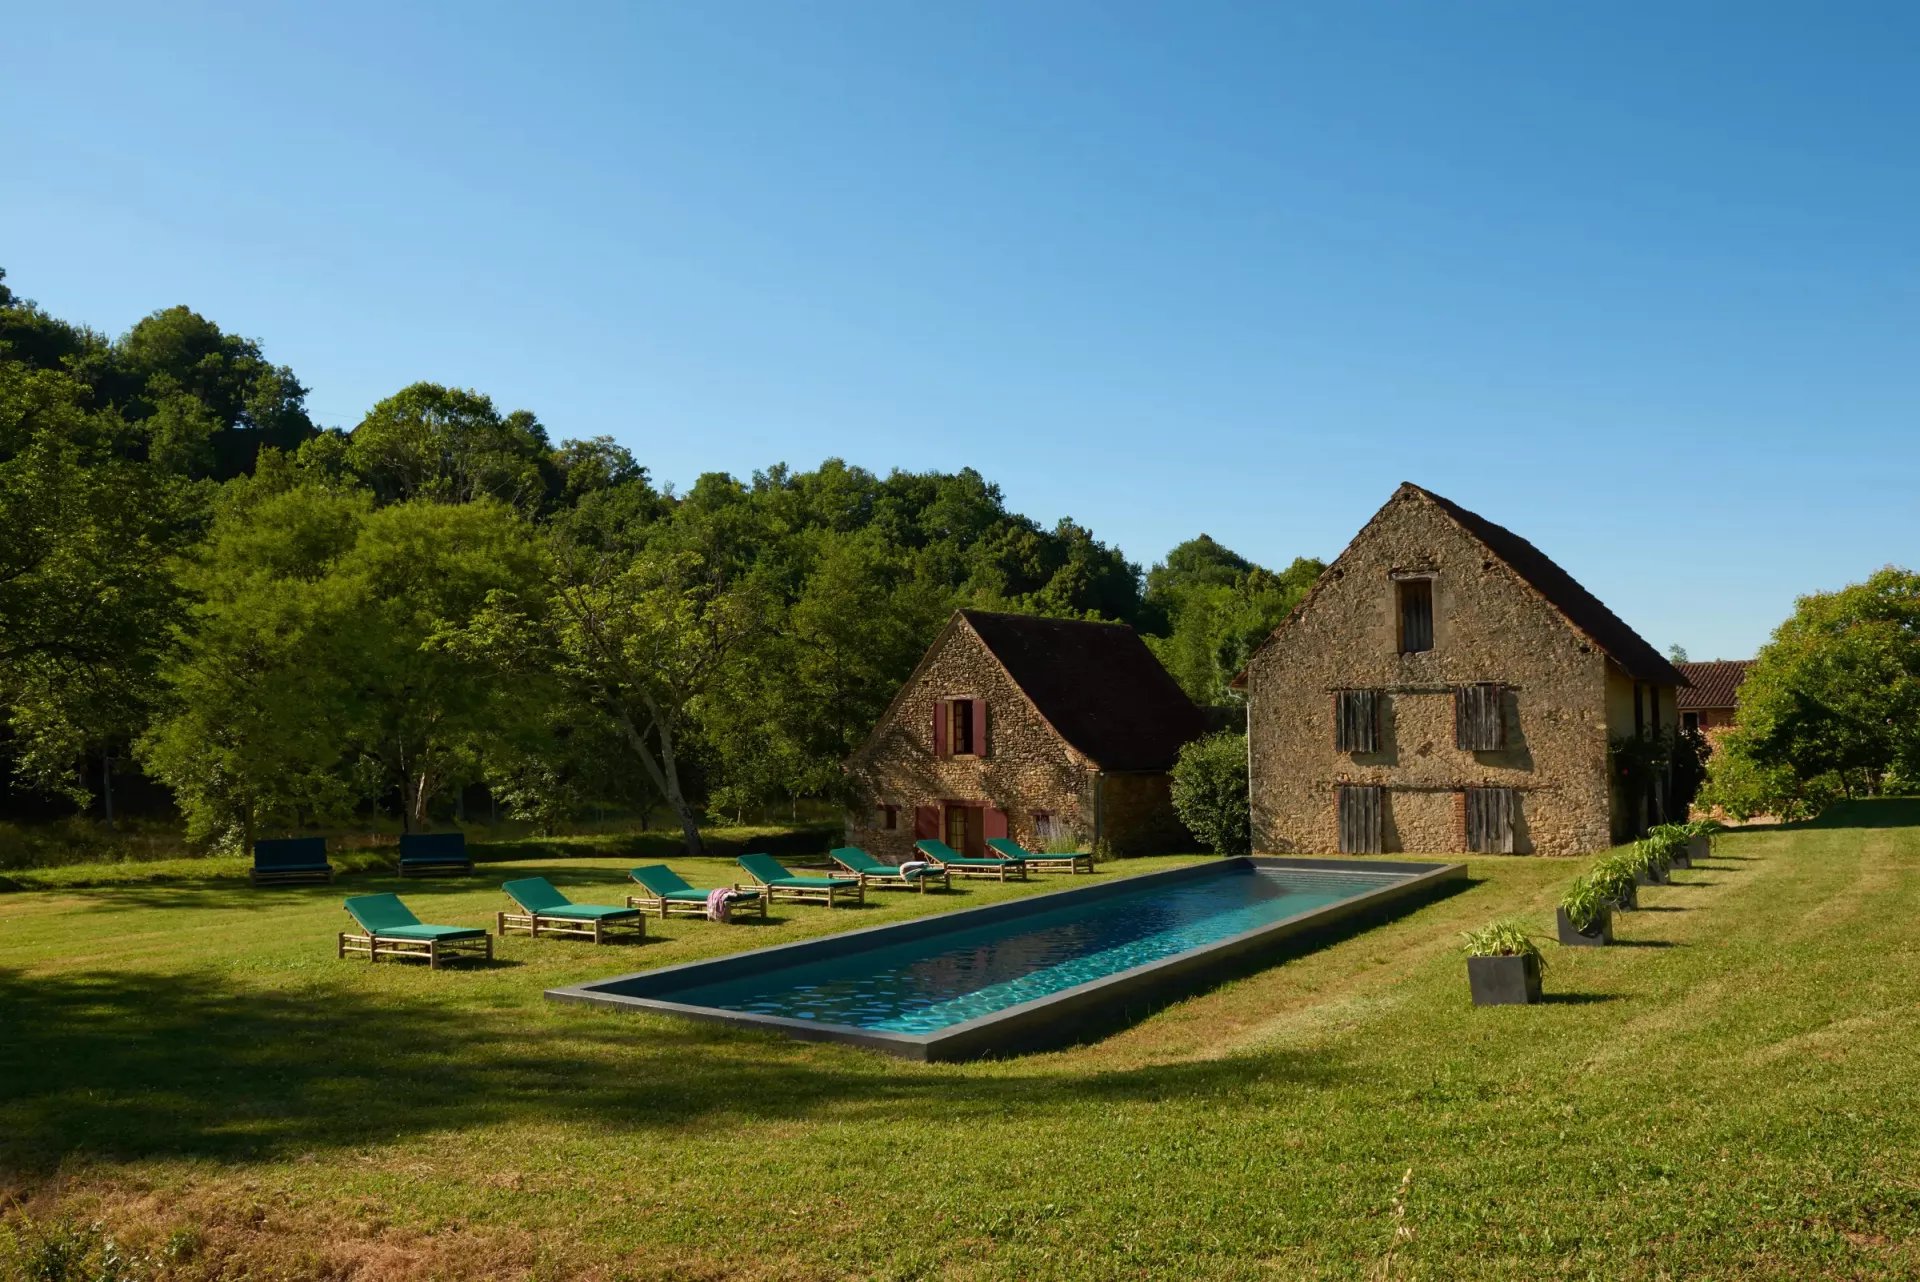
1700,835
1648,868
1614,876
1672,841
1585,915
1503,965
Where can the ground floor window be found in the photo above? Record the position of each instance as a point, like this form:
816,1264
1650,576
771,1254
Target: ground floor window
887,818
1691,720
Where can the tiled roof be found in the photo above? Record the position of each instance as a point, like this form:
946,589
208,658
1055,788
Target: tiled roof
1582,608
1715,683
1097,684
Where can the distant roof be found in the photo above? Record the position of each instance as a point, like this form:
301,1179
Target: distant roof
1582,608
1097,684
1715,683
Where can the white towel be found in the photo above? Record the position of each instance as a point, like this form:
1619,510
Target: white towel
914,868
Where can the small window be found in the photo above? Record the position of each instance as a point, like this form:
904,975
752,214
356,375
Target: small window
888,818
1356,721
1416,615
1691,720
1043,824
963,736
1490,820
1480,717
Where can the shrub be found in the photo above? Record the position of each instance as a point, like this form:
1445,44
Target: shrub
1586,901
1210,792
1503,939
1613,877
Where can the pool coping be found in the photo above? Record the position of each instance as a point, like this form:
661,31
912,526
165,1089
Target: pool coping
1056,1016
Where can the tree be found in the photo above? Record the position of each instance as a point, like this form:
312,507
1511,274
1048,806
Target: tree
1215,607
1210,792
261,705
450,446
1831,706
1677,652
85,592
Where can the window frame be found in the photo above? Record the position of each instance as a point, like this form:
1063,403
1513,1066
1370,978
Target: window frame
1403,584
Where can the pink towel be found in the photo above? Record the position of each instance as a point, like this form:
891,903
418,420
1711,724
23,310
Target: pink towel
719,904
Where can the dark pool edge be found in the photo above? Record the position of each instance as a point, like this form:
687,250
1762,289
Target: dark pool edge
1055,1018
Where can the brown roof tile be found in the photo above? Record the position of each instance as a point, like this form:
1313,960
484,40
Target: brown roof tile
1716,682
1097,684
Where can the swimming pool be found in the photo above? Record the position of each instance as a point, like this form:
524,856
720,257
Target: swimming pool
1023,972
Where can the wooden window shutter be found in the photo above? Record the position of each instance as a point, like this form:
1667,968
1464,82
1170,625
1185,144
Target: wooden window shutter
1361,810
941,711
926,823
1479,717
994,823
1356,721
980,735
1490,820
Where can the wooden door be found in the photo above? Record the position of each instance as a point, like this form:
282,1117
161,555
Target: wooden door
966,829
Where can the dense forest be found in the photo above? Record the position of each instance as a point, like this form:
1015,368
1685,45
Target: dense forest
280,624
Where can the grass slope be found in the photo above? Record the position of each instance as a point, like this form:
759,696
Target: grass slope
1727,1095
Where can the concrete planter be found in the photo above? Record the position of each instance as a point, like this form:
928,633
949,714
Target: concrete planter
1681,859
1599,935
1628,901
1504,981
1650,877
1699,847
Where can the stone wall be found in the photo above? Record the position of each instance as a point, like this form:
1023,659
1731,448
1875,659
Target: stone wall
1489,625
1027,768
1137,816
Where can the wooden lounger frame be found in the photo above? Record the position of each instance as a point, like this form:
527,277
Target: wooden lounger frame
596,929
814,894
900,881
695,907
290,877
374,947
434,867
998,871
1082,862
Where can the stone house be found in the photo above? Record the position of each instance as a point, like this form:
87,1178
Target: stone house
1714,686
1029,728
1447,688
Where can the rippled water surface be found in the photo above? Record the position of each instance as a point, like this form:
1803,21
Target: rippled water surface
924,985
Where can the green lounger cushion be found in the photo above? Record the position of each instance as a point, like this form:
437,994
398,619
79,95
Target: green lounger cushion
537,895
434,848
770,870
858,860
291,854
386,916
665,883
941,852
1009,848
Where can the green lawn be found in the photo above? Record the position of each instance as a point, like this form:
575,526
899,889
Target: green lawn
1732,1093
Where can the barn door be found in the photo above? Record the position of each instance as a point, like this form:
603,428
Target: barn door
1361,809
1490,820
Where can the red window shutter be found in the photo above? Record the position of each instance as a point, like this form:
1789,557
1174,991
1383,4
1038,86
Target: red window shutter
995,822
926,823
980,736
940,710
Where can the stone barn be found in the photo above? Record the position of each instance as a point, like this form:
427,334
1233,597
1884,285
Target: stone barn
1029,728
1447,688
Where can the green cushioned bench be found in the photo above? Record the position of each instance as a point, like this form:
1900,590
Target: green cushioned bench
877,873
286,861
783,884
960,865
668,892
1081,862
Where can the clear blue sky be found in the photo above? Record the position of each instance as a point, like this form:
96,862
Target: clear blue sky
1640,281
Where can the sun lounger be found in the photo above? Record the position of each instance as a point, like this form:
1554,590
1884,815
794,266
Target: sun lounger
429,854
543,908
873,872
781,884
668,892
287,861
960,865
1041,863
391,930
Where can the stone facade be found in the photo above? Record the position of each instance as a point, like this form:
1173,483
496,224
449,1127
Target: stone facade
1562,697
1026,781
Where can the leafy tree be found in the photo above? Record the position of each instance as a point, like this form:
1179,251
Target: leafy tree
1210,792
450,446
261,697
85,594
1216,607
1831,705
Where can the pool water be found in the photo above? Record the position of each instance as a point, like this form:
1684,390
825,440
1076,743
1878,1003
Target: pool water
928,984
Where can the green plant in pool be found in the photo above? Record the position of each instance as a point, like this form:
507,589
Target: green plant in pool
1587,900
1503,939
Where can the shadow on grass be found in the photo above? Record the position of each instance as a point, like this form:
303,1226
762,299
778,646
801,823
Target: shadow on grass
1658,908
1645,943
1871,812
1577,999
118,1066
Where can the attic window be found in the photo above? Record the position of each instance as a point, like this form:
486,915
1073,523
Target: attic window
1415,600
960,728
